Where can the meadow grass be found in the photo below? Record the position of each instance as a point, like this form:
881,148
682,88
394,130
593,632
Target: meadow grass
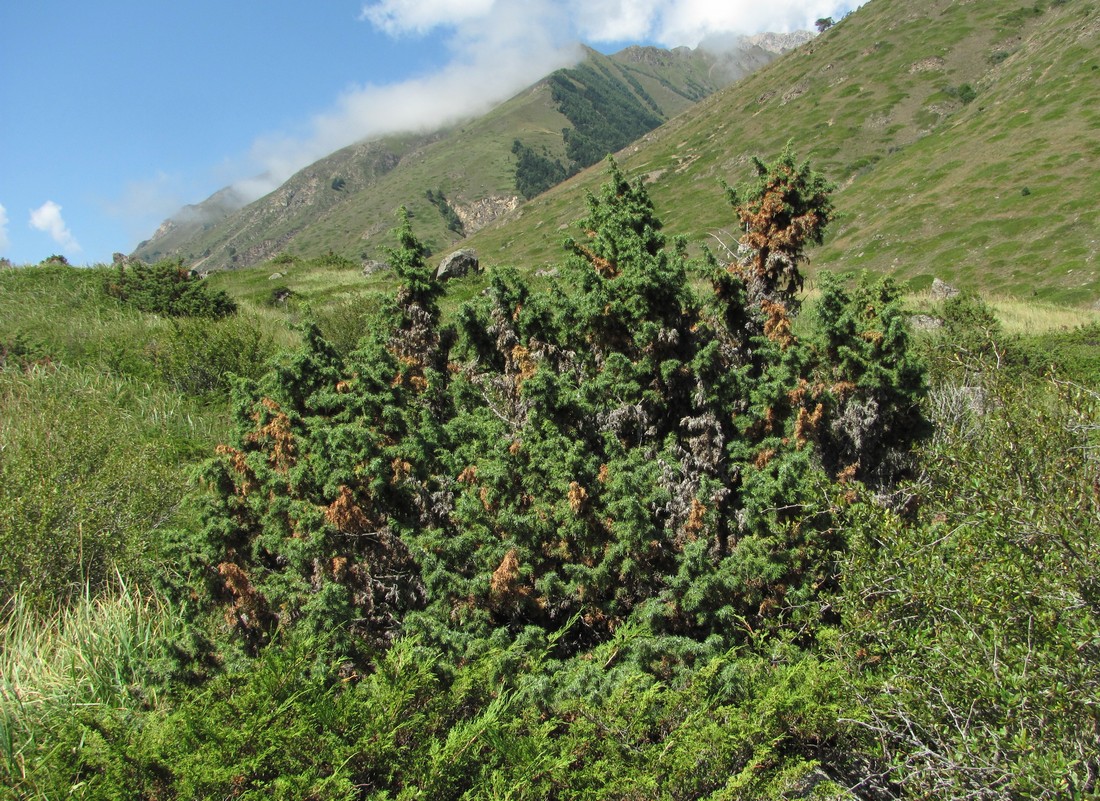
93,469
1039,317
95,655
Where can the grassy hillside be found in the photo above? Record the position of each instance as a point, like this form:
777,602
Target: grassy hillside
962,136
593,544
344,202
626,530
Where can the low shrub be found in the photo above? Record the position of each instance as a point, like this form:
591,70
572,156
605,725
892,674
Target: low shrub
975,621
201,357
166,288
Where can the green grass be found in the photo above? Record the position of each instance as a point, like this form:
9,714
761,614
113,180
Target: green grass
951,172
90,477
102,410
97,655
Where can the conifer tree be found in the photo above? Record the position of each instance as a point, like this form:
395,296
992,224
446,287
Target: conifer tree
618,450
786,208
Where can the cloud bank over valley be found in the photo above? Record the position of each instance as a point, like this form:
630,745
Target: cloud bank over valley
495,48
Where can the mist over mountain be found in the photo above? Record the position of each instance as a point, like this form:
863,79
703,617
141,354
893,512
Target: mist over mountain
959,136
483,167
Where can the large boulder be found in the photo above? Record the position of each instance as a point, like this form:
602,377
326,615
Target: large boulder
457,265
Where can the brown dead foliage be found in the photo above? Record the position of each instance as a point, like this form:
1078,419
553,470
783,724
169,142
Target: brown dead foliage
762,458
239,463
525,365
777,327
872,336
413,372
345,514
505,589
603,266
249,607
486,502
848,474
401,470
807,425
842,389
577,495
771,419
696,521
276,434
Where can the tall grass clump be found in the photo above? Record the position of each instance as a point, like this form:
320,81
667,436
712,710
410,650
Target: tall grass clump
198,357
61,670
89,477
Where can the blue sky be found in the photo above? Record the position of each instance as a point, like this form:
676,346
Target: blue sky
118,113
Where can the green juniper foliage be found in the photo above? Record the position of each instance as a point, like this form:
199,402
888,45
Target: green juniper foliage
624,451
645,535
166,288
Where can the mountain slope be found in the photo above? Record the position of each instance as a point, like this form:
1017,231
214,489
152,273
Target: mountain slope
344,201
963,137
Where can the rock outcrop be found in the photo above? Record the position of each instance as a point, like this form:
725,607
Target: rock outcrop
460,263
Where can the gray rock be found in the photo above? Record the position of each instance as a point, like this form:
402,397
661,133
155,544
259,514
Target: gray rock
457,265
274,276
942,290
370,266
924,322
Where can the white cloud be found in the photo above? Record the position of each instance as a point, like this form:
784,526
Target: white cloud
47,218
419,16
4,241
143,205
497,47
668,22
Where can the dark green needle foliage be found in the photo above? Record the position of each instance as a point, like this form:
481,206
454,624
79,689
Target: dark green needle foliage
168,288
621,449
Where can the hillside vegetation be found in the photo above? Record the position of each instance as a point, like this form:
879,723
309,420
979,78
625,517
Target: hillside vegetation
345,202
961,136
626,516
658,535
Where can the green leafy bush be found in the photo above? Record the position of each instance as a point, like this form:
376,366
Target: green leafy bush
974,620
166,288
875,385
201,357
